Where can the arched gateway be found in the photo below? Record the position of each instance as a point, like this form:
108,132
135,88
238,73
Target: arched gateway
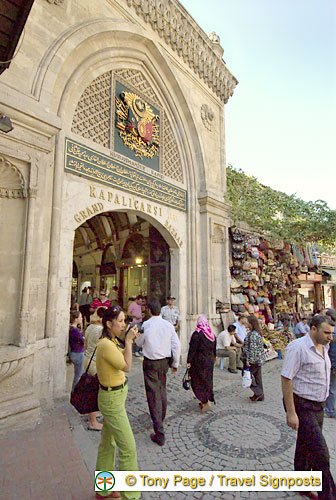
121,135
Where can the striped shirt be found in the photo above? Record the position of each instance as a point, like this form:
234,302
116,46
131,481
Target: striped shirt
308,369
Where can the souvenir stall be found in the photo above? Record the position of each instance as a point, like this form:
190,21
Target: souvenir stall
265,282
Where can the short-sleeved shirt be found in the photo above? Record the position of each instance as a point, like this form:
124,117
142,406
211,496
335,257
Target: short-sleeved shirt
170,314
308,370
135,311
98,303
225,339
241,331
301,329
110,363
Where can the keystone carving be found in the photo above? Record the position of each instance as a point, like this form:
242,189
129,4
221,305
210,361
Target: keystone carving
184,36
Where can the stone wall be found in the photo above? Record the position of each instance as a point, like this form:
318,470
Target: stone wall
157,49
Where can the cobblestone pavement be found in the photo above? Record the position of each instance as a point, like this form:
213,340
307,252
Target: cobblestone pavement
235,435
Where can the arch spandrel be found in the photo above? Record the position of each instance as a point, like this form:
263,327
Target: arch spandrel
93,48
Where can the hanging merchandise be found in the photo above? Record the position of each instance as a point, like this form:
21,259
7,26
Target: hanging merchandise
254,253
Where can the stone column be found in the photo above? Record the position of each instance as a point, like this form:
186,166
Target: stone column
27,263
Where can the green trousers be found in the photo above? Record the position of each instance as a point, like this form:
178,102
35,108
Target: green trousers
116,431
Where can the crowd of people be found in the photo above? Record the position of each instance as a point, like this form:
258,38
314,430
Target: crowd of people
308,374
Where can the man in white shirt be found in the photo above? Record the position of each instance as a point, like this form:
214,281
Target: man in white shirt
305,378
241,331
228,347
161,348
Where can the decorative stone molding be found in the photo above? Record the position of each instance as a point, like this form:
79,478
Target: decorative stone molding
207,116
177,28
12,184
55,2
9,368
214,37
218,235
32,192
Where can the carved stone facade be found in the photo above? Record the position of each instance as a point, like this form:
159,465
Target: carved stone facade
12,184
182,34
207,116
67,192
93,119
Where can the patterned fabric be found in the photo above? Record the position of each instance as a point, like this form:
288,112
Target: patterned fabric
204,327
254,348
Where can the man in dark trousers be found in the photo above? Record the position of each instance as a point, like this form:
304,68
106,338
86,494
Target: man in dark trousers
161,348
305,380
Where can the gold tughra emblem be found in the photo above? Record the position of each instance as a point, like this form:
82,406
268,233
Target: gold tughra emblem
138,125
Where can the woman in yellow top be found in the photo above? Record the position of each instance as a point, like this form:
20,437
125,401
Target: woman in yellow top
112,361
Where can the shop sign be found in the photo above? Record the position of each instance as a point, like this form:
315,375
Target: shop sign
314,277
327,261
90,164
310,277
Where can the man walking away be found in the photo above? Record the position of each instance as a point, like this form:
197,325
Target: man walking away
161,348
305,380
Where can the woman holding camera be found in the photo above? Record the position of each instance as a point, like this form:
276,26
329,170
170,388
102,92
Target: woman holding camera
112,361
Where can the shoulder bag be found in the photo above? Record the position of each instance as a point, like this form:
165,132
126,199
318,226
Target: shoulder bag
85,395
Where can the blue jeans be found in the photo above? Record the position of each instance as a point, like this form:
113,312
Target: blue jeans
77,359
330,404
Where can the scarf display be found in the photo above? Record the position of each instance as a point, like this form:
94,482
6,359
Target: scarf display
204,327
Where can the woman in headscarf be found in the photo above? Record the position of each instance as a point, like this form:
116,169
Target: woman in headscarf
200,362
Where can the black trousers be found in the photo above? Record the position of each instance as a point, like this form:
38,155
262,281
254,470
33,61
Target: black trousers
257,385
311,451
85,310
155,375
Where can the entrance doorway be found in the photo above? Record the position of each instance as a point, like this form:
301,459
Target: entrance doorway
117,249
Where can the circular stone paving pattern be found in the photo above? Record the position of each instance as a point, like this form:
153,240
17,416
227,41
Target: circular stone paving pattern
263,435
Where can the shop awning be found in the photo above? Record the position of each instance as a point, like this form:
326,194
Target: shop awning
330,274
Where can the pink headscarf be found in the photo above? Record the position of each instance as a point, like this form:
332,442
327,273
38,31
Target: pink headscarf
204,327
